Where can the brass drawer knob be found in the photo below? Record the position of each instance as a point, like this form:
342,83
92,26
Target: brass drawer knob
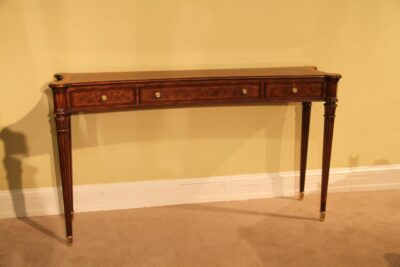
157,94
294,90
244,91
103,98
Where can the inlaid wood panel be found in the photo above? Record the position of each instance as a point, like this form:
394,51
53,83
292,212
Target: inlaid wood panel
295,89
199,93
101,97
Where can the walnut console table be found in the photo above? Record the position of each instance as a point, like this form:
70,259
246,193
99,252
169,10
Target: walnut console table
76,93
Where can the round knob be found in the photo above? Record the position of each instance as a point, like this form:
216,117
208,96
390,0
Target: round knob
157,94
294,90
244,91
103,98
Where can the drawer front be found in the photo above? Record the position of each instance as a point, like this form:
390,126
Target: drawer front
295,89
199,93
90,97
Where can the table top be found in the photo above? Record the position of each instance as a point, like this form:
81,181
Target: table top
63,79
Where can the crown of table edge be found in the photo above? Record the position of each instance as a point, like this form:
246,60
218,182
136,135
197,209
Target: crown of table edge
63,79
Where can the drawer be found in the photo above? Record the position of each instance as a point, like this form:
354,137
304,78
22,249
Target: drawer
295,89
89,97
189,93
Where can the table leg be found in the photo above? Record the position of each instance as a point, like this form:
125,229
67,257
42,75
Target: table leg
305,129
64,150
71,188
330,108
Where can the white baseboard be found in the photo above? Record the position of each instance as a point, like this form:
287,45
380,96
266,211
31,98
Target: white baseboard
47,201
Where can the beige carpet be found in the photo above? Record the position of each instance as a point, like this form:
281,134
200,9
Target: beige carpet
361,229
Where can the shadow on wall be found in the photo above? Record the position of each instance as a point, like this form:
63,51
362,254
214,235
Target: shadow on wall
25,139
393,259
15,150
354,161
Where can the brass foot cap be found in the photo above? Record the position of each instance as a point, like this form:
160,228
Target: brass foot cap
322,216
69,240
301,196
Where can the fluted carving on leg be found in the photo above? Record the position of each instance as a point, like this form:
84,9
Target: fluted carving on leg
71,176
330,108
64,149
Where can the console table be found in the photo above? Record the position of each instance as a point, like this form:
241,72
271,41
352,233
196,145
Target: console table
76,93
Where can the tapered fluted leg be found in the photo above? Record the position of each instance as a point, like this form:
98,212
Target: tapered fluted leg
64,150
305,129
330,108
71,188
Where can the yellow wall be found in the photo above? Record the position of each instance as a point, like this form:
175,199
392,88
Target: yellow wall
359,39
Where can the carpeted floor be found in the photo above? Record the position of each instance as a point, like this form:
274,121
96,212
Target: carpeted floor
361,229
